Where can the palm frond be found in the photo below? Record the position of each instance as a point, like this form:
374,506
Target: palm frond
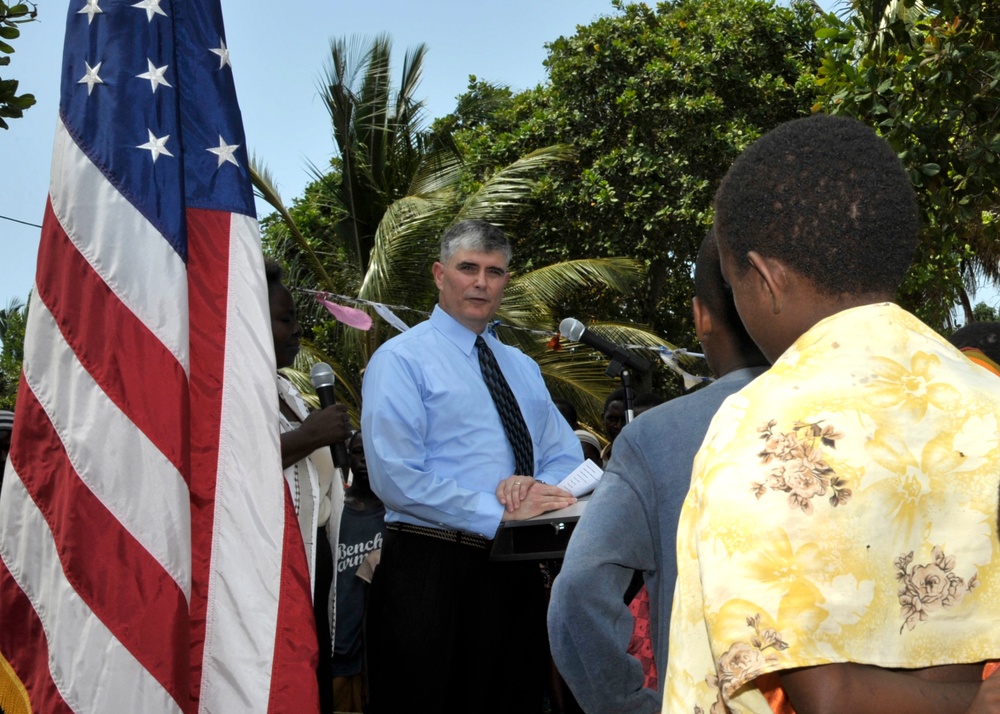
298,374
506,191
440,171
407,107
264,186
530,295
405,247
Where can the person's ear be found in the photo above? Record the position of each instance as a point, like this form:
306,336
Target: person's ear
438,270
702,319
774,278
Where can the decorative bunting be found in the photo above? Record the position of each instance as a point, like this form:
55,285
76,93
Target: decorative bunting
350,316
389,316
669,358
360,319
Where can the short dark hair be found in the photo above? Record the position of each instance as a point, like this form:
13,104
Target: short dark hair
568,410
711,289
617,395
474,234
826,196
273,273
983,336
648,400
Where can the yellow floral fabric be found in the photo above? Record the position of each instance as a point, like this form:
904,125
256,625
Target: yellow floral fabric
843,508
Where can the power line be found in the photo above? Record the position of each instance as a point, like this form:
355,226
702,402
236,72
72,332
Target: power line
23,223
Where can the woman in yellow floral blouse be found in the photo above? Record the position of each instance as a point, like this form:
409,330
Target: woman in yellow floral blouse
838,548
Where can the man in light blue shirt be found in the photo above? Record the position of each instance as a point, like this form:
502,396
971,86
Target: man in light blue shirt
448,630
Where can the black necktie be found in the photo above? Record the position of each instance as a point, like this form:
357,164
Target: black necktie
510,412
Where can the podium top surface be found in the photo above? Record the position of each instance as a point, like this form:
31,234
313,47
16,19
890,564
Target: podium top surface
570,514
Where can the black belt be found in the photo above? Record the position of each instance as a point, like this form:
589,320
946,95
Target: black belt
460,537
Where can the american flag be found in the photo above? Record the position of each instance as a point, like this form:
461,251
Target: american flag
149,559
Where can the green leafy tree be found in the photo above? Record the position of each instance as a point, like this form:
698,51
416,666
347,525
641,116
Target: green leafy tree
925,74
369,227
658,102
12,104
13,320
984,313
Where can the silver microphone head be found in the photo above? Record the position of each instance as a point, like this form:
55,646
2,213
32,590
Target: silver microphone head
321,375
571,329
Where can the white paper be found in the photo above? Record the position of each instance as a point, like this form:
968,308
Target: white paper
584,479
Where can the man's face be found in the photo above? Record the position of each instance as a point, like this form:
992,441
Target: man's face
285,326
471,286
614,419
359,466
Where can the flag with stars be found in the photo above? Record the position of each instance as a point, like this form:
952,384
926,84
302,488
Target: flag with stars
149,557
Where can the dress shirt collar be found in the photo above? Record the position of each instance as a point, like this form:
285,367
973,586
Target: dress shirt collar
462,336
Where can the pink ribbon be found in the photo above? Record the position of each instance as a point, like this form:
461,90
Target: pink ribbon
351,316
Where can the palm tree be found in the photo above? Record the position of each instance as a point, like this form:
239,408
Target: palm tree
370,227
924,72
15,306
12,322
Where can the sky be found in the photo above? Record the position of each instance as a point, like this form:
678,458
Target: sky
278,53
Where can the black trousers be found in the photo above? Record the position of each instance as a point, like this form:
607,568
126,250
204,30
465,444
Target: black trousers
450,631
321,592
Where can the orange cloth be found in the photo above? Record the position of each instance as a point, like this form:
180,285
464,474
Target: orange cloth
990,667
980,358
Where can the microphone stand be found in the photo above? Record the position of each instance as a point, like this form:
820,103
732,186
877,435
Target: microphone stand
617,368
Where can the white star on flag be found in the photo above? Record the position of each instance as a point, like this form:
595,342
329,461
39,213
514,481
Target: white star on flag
91,9
152,7
155,146
225,152
223,53
155,75
91,78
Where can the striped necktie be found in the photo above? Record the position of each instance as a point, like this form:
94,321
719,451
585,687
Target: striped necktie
510,412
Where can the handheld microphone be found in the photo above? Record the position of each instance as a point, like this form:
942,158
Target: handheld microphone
573,329
321,376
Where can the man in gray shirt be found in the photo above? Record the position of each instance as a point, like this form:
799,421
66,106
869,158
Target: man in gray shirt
631,521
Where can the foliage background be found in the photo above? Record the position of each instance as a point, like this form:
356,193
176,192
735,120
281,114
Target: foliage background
658,101
925,74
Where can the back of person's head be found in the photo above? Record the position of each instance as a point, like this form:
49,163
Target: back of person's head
474,235
646,401
272,273
829,198
982,336
568,411
710,289
590,445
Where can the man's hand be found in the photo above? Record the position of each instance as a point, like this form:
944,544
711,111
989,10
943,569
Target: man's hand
512,490
541,498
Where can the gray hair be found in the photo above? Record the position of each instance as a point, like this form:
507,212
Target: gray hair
475,235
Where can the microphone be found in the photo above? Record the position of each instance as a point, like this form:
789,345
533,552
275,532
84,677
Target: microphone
321,376
573,329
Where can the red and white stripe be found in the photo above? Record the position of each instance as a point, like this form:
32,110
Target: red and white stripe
149,561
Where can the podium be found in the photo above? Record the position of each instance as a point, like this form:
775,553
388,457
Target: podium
543,537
